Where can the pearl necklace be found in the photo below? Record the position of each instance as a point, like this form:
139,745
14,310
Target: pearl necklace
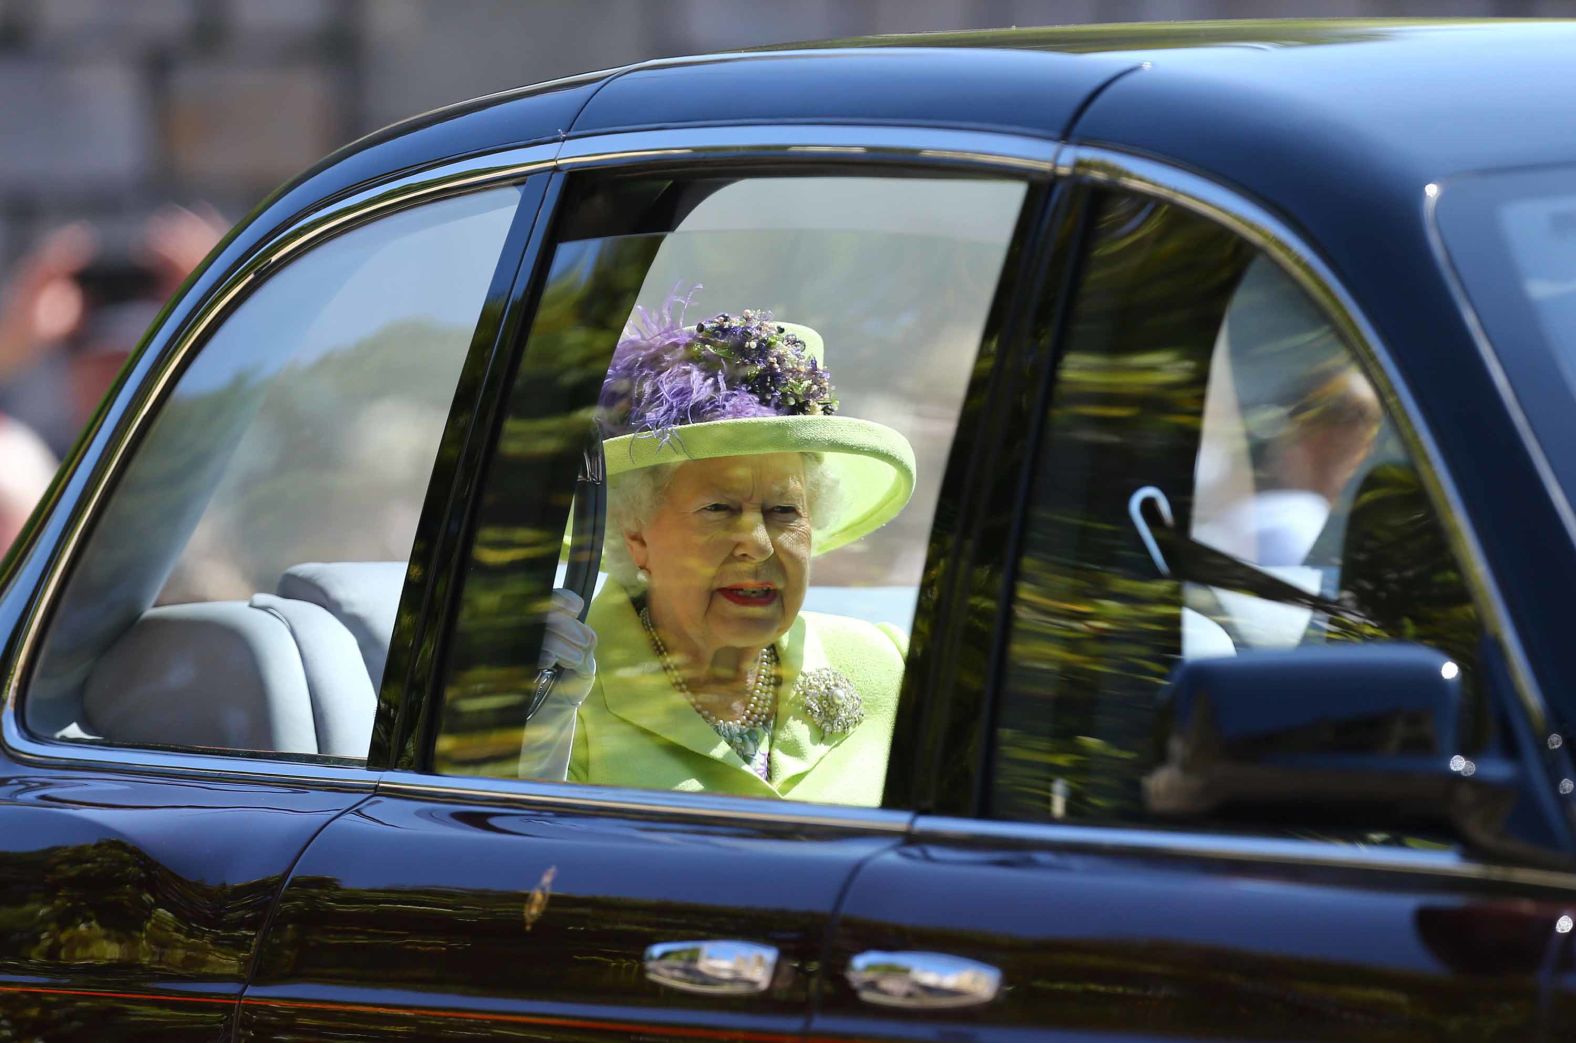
762,704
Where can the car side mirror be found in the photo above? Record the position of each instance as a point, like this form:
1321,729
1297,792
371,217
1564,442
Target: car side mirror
1355,735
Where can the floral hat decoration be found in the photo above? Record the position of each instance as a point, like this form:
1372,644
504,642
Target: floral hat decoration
740,385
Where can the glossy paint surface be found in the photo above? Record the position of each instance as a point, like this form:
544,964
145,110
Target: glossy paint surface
415,913
1021,92
1211,948
130,905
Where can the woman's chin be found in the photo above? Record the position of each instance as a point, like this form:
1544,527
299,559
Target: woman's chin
750,625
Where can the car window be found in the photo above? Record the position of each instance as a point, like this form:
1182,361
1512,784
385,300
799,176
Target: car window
775,367
1219,479
238,588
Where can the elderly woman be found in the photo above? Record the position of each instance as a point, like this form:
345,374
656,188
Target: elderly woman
728,471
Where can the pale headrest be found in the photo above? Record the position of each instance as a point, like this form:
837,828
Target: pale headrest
363,595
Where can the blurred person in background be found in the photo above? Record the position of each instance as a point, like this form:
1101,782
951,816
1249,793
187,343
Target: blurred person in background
75,306
26,468
71,312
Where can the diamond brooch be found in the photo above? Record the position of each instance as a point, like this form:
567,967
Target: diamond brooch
830,700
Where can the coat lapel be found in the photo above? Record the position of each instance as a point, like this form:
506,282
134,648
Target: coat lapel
798,743
635,687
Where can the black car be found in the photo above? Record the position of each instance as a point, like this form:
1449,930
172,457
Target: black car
1235,359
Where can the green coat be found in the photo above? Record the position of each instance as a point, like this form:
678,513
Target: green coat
636,730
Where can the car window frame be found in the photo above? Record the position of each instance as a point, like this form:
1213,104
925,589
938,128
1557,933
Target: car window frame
133,405
848,149
1088,169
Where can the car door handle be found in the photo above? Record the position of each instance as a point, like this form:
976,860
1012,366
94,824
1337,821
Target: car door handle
922,980
712,968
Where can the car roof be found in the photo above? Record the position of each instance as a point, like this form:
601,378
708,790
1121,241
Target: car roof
1381,98
1451,96
1300,114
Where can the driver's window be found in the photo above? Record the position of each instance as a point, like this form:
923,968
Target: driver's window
1218,478
775,367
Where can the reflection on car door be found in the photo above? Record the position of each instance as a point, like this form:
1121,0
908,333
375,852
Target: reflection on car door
131,902
514,916
1133,937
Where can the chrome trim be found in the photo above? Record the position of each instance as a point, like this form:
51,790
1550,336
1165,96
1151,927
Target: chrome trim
1269,233
921,980
1116,841
925,145
474,173
232,767
712,967
574,796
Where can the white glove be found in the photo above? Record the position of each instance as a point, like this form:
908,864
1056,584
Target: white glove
549,736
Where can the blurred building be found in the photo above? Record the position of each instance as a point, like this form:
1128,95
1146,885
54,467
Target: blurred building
114,106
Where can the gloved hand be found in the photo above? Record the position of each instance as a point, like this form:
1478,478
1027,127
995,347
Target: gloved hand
549,736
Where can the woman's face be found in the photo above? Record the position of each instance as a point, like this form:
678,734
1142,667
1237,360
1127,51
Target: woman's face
728,551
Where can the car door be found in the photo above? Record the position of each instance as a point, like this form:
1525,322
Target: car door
1223,481
465,898
191,692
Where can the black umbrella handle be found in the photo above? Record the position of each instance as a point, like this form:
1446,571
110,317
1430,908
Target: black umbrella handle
586,533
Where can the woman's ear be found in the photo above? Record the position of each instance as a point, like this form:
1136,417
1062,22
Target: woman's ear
639,552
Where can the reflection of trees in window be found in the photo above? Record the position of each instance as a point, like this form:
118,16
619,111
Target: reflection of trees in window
334,466
590,292
1097,629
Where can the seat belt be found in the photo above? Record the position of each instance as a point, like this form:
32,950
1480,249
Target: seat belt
1186,559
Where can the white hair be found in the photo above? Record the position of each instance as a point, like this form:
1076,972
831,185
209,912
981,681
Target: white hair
632,498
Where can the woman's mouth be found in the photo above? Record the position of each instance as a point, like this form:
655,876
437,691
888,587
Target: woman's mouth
749,594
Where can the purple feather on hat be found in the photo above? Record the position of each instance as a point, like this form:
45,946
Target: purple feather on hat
727,367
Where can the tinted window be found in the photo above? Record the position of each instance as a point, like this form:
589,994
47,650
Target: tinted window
894,276
239,585
1218,478
1512,237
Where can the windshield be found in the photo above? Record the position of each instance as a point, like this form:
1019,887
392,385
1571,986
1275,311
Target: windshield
1512,237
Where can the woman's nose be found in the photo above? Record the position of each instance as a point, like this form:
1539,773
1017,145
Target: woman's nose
753,542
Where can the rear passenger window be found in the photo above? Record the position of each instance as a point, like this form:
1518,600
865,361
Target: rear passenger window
1219,478
773,368
237,591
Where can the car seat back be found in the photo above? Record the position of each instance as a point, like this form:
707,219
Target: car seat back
293,672
231,675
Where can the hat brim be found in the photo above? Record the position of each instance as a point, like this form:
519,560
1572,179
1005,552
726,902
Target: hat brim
873,464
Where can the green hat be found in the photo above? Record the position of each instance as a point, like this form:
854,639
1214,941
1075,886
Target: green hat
742,386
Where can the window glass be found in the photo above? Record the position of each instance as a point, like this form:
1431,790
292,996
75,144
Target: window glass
776,366
1511,236
1218,479
238,589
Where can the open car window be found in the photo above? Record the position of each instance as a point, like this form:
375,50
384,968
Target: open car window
238,589
774,367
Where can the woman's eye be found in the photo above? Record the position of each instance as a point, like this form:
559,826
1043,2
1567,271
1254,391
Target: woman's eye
786,509
716,508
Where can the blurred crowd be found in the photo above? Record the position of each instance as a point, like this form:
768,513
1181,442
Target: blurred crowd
72,310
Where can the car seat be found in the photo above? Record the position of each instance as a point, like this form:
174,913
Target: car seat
292,672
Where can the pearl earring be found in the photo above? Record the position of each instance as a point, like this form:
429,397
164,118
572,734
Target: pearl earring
643,576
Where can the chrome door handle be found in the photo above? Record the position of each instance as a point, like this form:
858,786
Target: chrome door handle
712,968
922,980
